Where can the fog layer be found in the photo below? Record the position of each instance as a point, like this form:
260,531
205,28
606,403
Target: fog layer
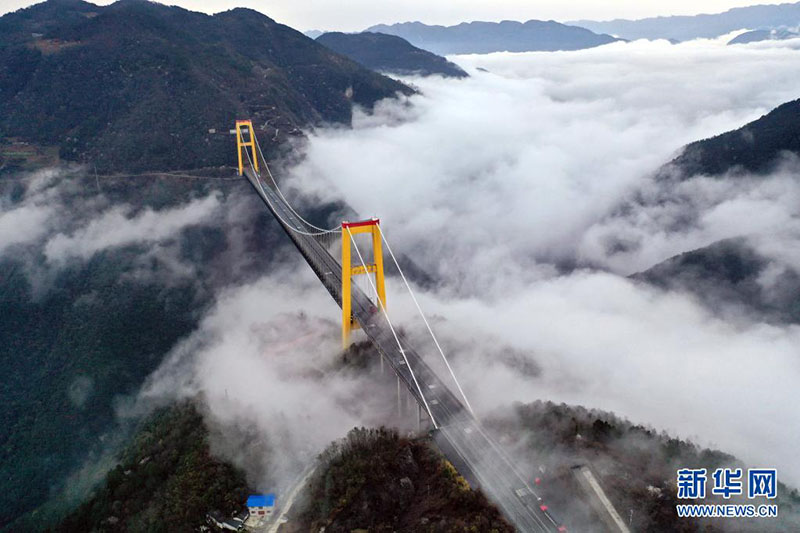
507,187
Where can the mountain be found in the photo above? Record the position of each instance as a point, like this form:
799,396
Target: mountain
684,28
376,480
763,35
138,85
487,37
389,53
754,147
635,465
732,273
165,480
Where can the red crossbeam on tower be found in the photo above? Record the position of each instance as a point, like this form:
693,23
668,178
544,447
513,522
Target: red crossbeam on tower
370,222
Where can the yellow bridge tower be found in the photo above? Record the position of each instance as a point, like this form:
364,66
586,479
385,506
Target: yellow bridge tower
350,229
245,127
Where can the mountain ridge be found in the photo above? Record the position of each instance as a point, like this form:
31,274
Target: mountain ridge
755,147
389,53
704,25
480,37
755,36
728,274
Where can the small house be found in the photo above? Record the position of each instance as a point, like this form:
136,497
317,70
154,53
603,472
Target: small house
220,523
261,505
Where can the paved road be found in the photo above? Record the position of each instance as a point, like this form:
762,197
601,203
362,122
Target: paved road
287,503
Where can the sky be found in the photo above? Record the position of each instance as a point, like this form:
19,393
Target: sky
356,15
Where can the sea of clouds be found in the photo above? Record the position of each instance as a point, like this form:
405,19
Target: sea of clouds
507,188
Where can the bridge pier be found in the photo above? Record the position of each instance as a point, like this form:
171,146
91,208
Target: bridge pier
399,407
423,420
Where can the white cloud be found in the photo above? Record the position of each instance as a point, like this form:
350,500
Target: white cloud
697,212
123,225
660,359
23,224
532,156
34,215
264,361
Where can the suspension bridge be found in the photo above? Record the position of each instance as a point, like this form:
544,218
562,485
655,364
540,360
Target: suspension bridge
456,431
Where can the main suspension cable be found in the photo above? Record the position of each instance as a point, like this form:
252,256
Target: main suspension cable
337,229
274,209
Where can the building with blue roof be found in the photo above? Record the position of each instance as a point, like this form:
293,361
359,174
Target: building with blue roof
261,505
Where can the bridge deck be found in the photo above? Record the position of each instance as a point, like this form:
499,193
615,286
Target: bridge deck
459,435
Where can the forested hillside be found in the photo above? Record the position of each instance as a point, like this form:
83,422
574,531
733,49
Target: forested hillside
636,466
375,480
84,327
732,273
138,85
389,53
755,147
165,481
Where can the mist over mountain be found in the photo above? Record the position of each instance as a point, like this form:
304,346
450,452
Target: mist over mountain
686,27
755,147
98,281
730,275
487,37
523,208
756,36
747,273
389,53
138,85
